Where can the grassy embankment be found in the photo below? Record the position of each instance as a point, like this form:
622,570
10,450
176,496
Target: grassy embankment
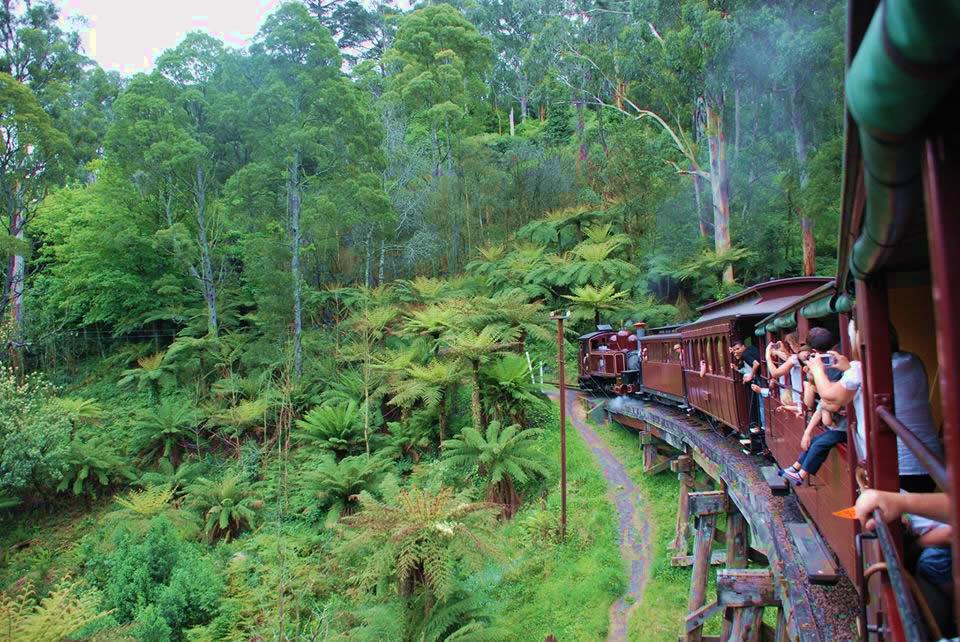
663,609
564,588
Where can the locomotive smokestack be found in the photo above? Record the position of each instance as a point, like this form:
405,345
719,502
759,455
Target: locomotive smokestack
641,329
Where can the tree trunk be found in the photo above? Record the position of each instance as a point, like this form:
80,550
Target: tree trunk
207,283
294,203
720,186
513,126
736,121
442,416
523,108
17,275
368,261
800,147
383,261
702,216
475,406
581,135
454,218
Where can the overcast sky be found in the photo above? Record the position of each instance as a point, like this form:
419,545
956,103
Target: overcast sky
128,35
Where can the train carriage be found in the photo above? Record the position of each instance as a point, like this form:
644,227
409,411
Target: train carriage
719,391
661,367
832,488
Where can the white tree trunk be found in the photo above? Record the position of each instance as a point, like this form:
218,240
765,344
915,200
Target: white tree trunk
207,282
383,261
720,186
800,147
18,275
513,126
294,204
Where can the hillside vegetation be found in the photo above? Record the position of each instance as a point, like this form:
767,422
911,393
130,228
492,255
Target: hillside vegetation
273,318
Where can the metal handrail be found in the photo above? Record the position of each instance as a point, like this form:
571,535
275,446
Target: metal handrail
913,628
924,455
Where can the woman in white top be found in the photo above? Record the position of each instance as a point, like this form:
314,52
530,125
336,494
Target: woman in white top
788,353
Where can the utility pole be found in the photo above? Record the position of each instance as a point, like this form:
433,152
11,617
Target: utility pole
560,317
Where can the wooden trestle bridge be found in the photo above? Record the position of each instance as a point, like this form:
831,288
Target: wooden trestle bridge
772,557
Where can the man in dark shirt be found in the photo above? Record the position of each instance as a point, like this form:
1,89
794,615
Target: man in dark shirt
749,358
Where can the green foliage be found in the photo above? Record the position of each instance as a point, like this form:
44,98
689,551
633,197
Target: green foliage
226,505
35,437
337,428
335,485
164,431
502,457
90,464
147,503
419,538
591,300
508,387
161,571
63,612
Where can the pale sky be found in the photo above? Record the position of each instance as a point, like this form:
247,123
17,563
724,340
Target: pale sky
128,35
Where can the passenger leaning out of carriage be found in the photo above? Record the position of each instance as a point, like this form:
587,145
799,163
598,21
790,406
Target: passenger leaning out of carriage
786,361
784,367
910,402
747,362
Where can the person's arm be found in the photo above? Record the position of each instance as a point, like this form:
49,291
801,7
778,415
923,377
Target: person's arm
774,370
893,505
754,368
833,392
809,394
815,420
939,536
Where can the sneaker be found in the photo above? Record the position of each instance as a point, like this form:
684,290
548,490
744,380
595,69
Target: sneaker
746,442
781,471
793,476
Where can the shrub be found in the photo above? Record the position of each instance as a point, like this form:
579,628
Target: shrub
164,572
34,437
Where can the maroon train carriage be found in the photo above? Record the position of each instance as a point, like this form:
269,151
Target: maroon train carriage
607,359
661,372
832,488
720,393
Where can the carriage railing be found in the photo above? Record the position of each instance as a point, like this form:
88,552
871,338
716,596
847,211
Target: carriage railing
924,455
914,629
907,608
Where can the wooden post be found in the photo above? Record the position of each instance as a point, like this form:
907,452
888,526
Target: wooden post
736,558
653,462
704,508
681,465
560,317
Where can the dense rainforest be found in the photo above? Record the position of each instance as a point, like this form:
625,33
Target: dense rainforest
273,318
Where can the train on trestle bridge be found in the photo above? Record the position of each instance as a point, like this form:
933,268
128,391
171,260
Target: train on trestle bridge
677,385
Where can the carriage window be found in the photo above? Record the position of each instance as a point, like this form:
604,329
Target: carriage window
724,357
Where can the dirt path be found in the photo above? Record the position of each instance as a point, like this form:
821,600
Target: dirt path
634,535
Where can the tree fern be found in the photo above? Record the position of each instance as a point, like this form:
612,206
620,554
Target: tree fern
336,485
56,617
335,427
419,537
502,456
